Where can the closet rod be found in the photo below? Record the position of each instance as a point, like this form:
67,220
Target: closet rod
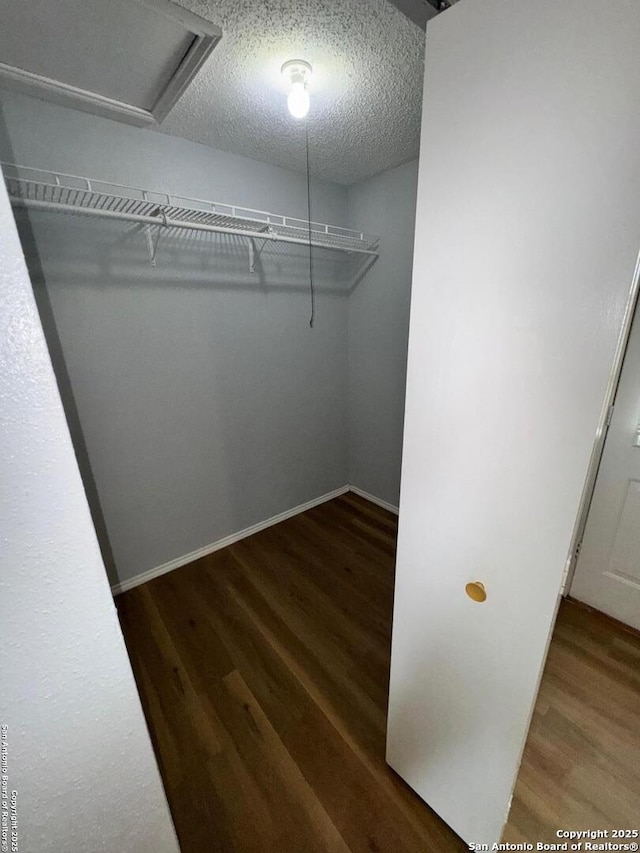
167,222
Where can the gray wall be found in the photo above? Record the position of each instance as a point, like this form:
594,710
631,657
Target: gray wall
378,331
200,400
78,752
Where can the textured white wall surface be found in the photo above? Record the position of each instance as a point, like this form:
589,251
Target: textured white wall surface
365,90
78,751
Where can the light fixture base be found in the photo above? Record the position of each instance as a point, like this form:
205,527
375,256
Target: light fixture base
296,69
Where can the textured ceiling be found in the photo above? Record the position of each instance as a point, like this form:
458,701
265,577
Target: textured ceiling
366,88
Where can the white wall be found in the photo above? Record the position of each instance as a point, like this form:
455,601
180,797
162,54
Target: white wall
199,399
378,331
78,751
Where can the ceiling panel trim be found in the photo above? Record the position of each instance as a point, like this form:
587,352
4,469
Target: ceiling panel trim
205,37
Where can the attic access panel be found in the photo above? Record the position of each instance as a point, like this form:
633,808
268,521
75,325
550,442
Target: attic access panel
124,59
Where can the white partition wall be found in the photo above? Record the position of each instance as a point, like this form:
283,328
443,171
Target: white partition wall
527,235
75,747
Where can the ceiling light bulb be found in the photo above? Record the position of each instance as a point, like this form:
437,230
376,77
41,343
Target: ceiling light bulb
297,72
298,100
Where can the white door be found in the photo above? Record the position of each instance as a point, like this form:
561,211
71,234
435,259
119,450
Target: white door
608,571
527,235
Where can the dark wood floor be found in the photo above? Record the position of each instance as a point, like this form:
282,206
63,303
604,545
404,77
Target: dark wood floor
581,764
263,672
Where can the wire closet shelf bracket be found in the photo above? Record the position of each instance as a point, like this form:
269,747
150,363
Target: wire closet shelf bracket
56,191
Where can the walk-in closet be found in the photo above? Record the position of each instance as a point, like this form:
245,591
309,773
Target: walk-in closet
319,419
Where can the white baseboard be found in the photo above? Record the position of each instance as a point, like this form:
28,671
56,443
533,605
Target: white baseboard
374,500
117,588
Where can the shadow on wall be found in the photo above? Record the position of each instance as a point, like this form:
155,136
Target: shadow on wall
45,311
198,398
117,254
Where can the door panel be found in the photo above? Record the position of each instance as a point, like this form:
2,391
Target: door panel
527,235
607,574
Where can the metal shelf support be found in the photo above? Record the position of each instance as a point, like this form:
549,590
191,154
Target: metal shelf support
41,190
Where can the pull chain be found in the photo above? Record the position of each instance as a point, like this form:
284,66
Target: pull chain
312,289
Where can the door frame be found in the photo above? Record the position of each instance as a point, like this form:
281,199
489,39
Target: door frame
633,305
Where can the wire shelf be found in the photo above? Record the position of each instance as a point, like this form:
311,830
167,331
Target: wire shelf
46,190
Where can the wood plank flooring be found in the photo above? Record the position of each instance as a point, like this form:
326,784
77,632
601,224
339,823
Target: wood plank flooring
263,672
581,764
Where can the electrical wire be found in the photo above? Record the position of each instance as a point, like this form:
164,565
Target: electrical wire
312,289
